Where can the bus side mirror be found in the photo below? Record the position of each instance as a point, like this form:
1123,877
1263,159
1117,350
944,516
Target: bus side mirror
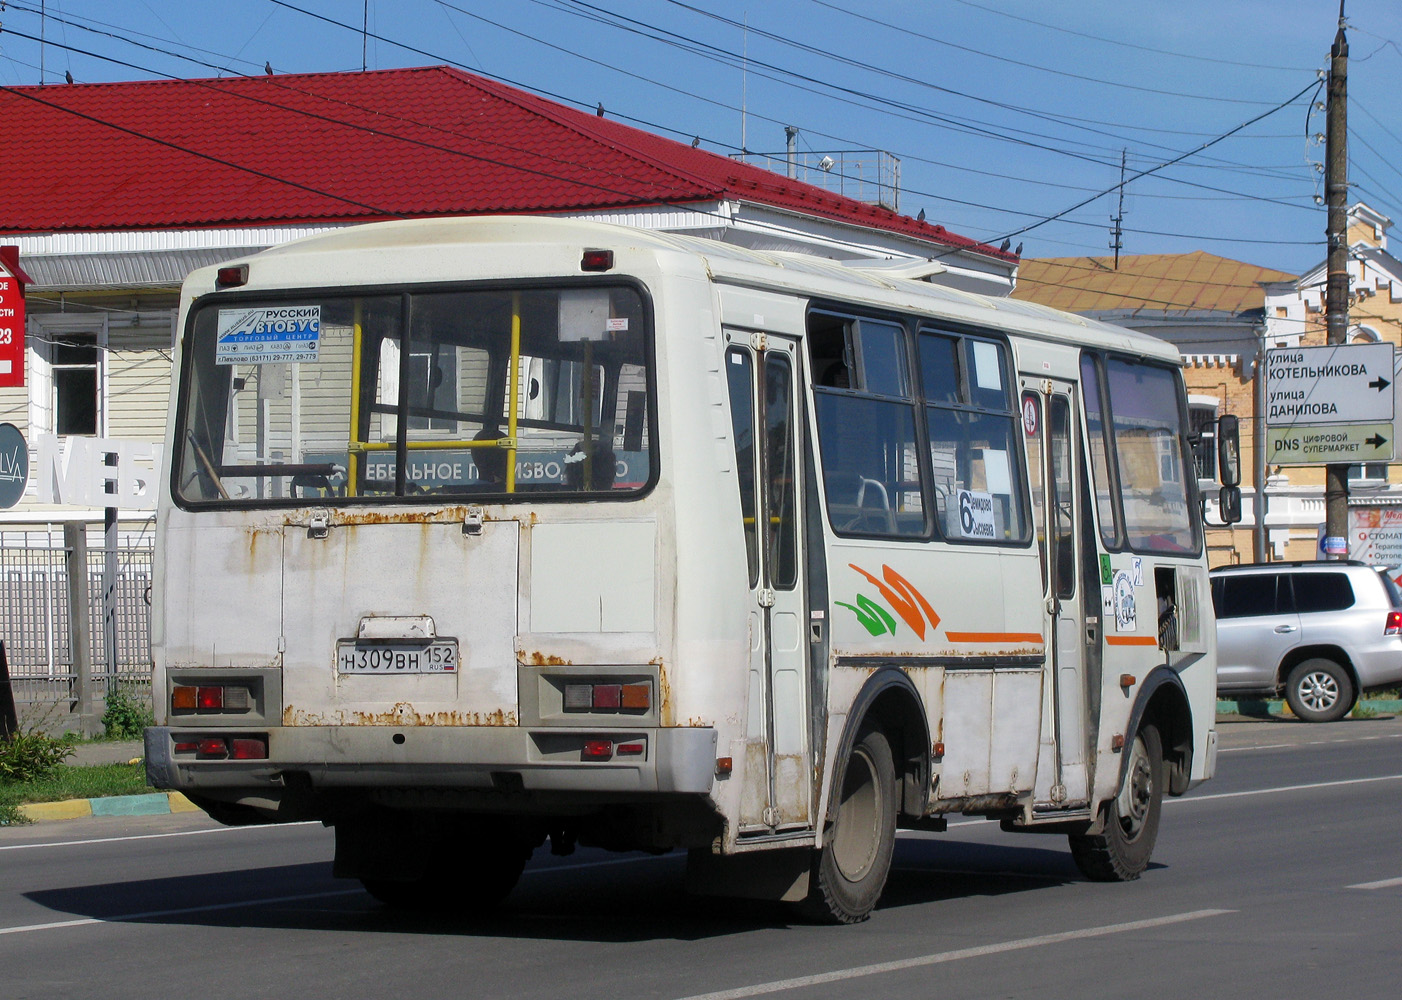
1229,452
1229,504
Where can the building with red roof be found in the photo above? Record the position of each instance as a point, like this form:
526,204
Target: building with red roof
113,192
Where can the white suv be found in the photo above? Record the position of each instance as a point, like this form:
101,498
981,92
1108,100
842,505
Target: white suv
1322,632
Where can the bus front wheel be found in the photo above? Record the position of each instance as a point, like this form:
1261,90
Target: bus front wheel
850,870
1121,852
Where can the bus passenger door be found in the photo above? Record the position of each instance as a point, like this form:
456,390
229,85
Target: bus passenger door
777,779
1049,418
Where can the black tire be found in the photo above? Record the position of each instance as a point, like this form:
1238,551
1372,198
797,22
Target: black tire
1319,690
465,875
1121,852
850,870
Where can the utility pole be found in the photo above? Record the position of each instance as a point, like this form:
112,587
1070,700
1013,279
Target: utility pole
1336,291
1116,243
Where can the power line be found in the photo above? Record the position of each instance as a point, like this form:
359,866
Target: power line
1168,163
1019,62
1128,45
221,69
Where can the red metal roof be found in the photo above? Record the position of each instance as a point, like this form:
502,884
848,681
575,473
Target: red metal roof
356,146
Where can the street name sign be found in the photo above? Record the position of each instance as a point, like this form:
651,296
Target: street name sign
1338,384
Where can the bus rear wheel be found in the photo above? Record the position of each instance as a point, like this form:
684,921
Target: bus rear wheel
1122,851
850,870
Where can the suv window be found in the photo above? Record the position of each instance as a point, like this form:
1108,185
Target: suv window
1244,596
1321,592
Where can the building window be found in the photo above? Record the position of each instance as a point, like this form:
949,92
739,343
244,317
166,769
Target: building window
74,363
1202,422
1369,472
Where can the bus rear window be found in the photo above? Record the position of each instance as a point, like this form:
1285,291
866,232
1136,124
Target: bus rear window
460,393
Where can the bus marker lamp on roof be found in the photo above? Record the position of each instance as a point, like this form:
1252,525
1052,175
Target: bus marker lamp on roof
596,260
232,276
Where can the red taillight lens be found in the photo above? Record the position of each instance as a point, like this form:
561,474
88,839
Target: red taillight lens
212,749
1394,623
597,749
209,698
246,749
607,695
634,749
187,746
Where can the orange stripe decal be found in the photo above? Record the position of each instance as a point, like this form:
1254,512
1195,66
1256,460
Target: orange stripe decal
1131,640
1035,637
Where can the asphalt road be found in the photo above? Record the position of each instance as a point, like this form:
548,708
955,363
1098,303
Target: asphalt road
1281,878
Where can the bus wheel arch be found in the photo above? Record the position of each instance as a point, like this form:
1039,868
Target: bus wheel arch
1163,703
890,701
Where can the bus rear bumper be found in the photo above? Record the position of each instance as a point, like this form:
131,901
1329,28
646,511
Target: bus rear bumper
466,757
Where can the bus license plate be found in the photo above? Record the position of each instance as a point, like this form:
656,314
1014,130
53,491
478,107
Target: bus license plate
439,656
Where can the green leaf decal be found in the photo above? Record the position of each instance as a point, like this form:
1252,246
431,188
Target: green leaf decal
874,618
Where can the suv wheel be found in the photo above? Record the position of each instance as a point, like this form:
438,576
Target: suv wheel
1319,690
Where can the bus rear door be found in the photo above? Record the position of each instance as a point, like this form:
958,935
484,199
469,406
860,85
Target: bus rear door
762,373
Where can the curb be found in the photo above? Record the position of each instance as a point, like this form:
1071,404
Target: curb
154,804
1258,707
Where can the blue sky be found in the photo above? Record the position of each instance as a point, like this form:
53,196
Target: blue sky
1002,112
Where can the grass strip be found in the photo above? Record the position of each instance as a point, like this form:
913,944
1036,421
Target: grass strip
70,781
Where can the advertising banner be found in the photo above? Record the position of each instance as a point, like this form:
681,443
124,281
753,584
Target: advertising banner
11,329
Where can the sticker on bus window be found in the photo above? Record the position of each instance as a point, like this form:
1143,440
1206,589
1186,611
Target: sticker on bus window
988,373
976,518
268,335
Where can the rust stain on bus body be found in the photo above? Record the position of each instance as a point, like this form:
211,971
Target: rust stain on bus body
539,659
402,714
439,515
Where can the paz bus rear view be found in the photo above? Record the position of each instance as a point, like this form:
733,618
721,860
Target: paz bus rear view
481,533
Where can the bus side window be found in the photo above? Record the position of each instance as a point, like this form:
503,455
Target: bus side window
866,426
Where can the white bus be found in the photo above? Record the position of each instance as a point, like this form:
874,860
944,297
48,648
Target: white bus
478,533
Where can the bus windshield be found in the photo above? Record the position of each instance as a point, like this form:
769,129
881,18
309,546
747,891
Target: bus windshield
492,393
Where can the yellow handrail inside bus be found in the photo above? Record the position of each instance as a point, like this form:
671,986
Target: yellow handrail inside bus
515,393
353,447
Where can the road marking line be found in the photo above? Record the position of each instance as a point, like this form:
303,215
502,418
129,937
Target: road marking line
939,958
154,836
153,914
1386,883
1311,743
1286,788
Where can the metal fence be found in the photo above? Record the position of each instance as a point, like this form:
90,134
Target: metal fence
37,628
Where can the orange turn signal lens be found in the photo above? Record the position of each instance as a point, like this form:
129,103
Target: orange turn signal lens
636,696
182,698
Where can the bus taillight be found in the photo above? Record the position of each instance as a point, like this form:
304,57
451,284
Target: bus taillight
597,749
608,697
